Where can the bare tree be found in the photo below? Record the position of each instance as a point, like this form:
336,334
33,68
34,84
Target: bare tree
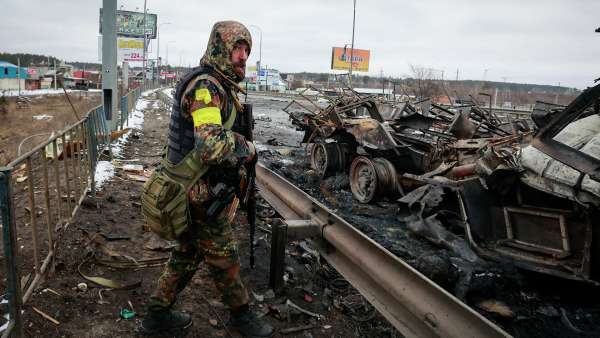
425,84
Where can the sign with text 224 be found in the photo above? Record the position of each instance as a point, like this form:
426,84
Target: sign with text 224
130,49
340,59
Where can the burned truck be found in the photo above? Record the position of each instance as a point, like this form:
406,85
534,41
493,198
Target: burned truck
537,205
527,190
379,142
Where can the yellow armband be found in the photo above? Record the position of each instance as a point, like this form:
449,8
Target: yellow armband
207,115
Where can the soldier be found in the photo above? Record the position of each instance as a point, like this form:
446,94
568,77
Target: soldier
204,111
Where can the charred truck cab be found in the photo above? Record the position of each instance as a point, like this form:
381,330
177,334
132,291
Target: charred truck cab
538,207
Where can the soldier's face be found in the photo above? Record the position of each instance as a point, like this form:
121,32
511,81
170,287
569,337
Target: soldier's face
239,55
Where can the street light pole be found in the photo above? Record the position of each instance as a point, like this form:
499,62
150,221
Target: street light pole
352,48
167,58
144,54
158,60
259,57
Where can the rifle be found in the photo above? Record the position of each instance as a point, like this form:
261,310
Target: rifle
247,126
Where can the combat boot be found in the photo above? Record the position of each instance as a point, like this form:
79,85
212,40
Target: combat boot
249,325
164,319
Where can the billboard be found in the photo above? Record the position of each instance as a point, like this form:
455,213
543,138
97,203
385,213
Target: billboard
130,49
340,59
132,24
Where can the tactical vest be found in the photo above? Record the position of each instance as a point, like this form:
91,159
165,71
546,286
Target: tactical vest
181,129
165,203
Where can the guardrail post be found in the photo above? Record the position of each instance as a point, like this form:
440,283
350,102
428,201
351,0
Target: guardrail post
9,237
278,244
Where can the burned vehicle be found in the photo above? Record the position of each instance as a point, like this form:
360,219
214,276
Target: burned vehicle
537,206
380,142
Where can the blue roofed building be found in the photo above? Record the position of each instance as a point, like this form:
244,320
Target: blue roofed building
11,77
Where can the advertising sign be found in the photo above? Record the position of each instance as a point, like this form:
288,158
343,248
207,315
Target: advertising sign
130,49
132,24
340,59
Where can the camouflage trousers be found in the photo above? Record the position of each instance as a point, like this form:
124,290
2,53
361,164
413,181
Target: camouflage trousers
213,243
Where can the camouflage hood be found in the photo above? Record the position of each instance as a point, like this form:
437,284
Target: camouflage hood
222,39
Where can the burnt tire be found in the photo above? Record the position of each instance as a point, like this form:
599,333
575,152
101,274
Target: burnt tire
327,159
372,179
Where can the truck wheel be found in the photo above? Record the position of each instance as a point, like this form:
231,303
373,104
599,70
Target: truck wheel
327,159
372,179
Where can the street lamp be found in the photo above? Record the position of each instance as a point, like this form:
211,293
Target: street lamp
259,57
350,63
158,47
485,73
352,48
167,58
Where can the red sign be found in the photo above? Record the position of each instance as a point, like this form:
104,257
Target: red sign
31,71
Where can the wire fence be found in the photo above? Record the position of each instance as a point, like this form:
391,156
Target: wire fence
40,193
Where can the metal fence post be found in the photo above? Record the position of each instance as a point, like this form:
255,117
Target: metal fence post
123,110
278,244
92,150
9,237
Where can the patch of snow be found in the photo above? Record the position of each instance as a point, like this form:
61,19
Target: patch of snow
168,92
104,171
259,146
42,117
36,92
135,122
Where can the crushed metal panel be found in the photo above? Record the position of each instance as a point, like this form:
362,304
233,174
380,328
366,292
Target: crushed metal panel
545,141
550,175
552,241
370,133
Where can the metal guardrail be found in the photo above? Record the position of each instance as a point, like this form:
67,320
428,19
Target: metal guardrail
51,180
413,304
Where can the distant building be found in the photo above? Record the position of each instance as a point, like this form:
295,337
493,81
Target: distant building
267,80
93,79
11,77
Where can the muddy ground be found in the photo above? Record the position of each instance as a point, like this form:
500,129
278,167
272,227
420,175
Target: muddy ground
38,117
525,304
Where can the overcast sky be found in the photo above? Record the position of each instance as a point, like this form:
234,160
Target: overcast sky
544,42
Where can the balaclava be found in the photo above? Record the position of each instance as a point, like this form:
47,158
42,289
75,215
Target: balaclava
222,39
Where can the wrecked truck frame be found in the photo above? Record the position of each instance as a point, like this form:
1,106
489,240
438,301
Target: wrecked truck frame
350,134
535,220
378,142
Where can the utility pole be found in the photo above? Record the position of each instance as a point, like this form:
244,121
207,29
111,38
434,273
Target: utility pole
19,74
456,74
144,54
259,57
54,74
266,79
109,61
125,74
496,97
382,82
485,73
352,47
158,59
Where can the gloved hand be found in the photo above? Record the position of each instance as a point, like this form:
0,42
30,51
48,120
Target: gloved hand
252,157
